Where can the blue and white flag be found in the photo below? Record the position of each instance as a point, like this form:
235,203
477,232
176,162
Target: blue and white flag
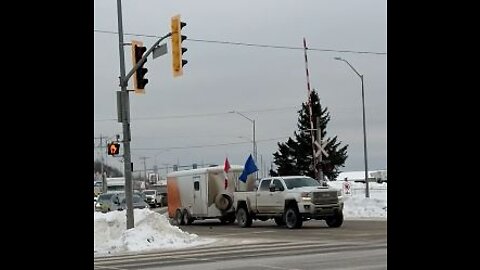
249,168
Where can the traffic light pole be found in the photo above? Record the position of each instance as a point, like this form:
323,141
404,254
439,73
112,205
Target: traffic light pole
124,108
124,113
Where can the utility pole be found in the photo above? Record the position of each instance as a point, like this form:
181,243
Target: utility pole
145,168
309,103
123,110
102,160
104,179
319,171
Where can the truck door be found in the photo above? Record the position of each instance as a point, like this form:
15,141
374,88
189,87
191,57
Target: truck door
277,196
199,196
265,200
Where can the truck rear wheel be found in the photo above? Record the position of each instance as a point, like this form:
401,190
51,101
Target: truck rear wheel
335,221
292,218
179,217
243,218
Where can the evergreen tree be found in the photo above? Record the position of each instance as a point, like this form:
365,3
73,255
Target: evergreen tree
295,157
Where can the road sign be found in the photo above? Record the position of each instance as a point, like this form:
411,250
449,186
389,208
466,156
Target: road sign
160,50
317,153
346,187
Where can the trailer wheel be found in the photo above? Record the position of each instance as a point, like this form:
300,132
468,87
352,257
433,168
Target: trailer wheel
187,219
243,218
179,217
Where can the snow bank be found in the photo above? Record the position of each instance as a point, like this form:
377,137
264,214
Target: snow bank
152,231
360,207
357,206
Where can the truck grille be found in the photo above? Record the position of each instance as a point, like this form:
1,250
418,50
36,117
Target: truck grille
325,197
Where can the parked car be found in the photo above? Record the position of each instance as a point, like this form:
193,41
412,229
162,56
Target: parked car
141,194
107,202
138,203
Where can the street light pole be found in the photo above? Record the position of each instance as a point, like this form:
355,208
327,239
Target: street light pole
367,192
254,142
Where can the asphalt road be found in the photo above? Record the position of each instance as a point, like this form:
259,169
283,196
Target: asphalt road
358,244
313,230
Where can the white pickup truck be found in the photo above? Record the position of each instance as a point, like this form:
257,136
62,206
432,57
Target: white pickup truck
154,198
289,200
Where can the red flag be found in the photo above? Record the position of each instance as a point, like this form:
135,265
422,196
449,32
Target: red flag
226,167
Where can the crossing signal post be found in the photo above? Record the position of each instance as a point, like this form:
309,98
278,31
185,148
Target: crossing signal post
177,50
113,149
139,80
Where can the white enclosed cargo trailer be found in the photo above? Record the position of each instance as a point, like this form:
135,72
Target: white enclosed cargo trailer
204,193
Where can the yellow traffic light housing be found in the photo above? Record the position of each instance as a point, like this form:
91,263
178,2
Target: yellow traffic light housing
177,50
139,80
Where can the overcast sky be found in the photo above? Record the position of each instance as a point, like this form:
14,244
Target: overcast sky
265,84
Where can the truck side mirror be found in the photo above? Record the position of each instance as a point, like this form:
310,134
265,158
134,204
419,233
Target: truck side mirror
272,188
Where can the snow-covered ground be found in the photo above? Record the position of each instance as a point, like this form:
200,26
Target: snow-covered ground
357,206
152,231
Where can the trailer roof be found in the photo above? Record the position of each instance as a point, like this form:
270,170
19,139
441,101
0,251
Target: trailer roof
218,168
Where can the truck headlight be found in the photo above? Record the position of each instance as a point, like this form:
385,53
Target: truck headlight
306,196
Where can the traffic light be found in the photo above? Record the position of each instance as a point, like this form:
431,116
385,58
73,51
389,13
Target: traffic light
177,50
113,148
139,80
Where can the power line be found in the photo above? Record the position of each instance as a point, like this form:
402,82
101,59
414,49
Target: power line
204,145
199,114
248,44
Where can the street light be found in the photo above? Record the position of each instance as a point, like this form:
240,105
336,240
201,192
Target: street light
367,193
253,123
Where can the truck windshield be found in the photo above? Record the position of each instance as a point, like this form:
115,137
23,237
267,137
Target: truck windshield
300,182
149,192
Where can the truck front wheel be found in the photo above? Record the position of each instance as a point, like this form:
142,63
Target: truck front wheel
243,218
292,218
335,221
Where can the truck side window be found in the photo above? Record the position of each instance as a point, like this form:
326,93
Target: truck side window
264,185
278,185
196,185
